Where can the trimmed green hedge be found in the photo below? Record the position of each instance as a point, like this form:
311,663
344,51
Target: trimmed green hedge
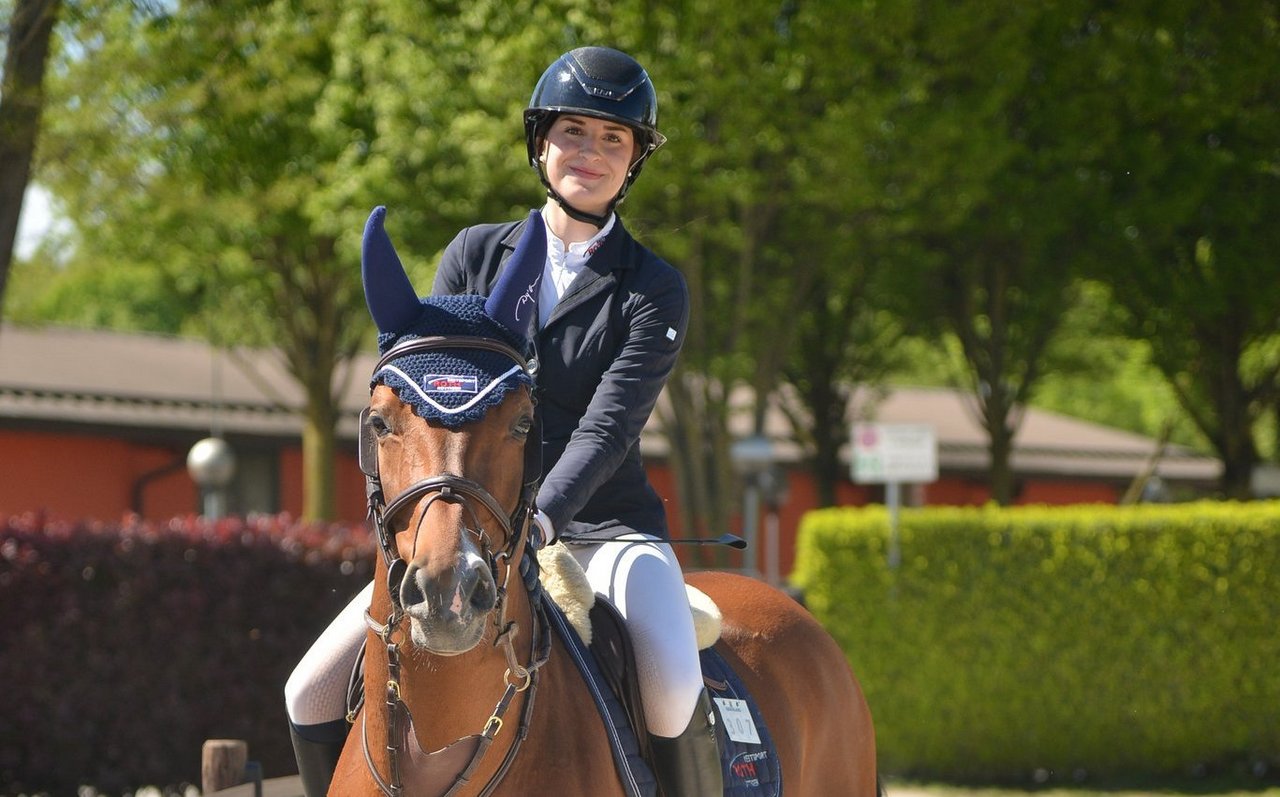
1117,641
123,646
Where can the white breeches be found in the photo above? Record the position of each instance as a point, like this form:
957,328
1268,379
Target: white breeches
316,691
642,579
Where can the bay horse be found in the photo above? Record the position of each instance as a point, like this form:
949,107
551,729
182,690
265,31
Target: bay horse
460,660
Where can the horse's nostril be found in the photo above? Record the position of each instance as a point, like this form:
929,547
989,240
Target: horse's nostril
484,596
410,590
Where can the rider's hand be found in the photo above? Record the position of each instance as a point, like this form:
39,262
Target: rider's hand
544,533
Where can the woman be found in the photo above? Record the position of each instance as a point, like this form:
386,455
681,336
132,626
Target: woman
612,317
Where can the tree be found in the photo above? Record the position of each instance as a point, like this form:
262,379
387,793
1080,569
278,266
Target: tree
983,153
184,138
764,204
26,54
1196,186
230,152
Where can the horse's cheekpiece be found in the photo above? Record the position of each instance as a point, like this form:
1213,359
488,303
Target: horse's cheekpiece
747,752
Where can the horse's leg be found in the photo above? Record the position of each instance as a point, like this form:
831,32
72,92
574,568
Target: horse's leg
810,699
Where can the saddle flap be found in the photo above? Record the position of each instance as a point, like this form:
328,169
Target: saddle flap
611,647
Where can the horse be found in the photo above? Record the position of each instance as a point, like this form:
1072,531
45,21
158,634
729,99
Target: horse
461,660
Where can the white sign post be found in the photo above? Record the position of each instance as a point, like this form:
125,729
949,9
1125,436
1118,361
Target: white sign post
891,454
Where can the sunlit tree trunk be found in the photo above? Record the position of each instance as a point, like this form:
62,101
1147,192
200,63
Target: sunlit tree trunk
21,104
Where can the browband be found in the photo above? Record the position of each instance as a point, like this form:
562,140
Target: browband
437,342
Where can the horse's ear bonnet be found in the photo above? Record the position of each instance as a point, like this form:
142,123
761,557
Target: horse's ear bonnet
452,385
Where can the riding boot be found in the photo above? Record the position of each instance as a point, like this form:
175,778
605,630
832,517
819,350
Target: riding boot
317,748
689,765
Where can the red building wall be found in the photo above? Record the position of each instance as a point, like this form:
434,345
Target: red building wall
70,477
348,485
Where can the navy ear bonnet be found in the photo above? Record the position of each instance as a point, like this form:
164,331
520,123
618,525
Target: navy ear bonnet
459,385
453,386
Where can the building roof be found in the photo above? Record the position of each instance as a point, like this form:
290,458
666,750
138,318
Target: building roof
109,378
104,377
1046,442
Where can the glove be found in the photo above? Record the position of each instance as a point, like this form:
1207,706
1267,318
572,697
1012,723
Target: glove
543,533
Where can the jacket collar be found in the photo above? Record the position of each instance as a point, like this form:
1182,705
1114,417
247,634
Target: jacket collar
615,255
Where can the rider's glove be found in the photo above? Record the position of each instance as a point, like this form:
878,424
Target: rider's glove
544,533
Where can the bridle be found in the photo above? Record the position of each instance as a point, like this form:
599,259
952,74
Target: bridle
454,489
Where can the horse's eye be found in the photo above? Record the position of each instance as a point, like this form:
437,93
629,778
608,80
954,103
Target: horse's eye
523,426
379,425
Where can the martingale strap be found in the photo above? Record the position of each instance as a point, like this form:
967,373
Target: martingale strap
451,768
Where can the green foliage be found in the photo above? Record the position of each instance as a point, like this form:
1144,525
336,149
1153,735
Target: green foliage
129,296
1096,373
1194,186
1126,641
991,119
1101,374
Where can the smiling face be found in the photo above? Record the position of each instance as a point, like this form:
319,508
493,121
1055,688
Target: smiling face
586,160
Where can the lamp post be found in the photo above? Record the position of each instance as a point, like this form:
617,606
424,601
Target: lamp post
772,482
212,464
753,458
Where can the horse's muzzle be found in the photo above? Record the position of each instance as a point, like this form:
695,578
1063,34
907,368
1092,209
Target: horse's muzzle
447,611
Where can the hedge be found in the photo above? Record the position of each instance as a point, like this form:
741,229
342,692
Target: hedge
1111,641
126,645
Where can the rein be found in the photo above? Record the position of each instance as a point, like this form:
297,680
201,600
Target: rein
466,753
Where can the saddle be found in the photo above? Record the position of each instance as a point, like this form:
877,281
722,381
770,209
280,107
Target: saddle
594,628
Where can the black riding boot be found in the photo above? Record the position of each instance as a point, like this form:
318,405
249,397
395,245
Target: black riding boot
689,765
317,748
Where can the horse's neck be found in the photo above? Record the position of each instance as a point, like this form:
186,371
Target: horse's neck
448,697
453,697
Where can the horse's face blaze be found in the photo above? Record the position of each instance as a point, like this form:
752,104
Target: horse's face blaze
448,589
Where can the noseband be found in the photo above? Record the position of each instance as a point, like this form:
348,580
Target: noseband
454,489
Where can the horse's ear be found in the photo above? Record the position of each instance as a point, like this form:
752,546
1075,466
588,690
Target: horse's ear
392,301
514,300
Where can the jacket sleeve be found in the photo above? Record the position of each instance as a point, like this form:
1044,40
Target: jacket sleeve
656,319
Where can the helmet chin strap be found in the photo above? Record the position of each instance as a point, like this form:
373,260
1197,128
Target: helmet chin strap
590,218
579,215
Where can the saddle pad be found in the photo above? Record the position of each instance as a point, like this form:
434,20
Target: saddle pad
750,758
633,771
747,753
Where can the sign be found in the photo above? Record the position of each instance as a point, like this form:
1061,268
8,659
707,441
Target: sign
891,453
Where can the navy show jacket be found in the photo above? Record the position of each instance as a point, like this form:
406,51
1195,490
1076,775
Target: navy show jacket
603,357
